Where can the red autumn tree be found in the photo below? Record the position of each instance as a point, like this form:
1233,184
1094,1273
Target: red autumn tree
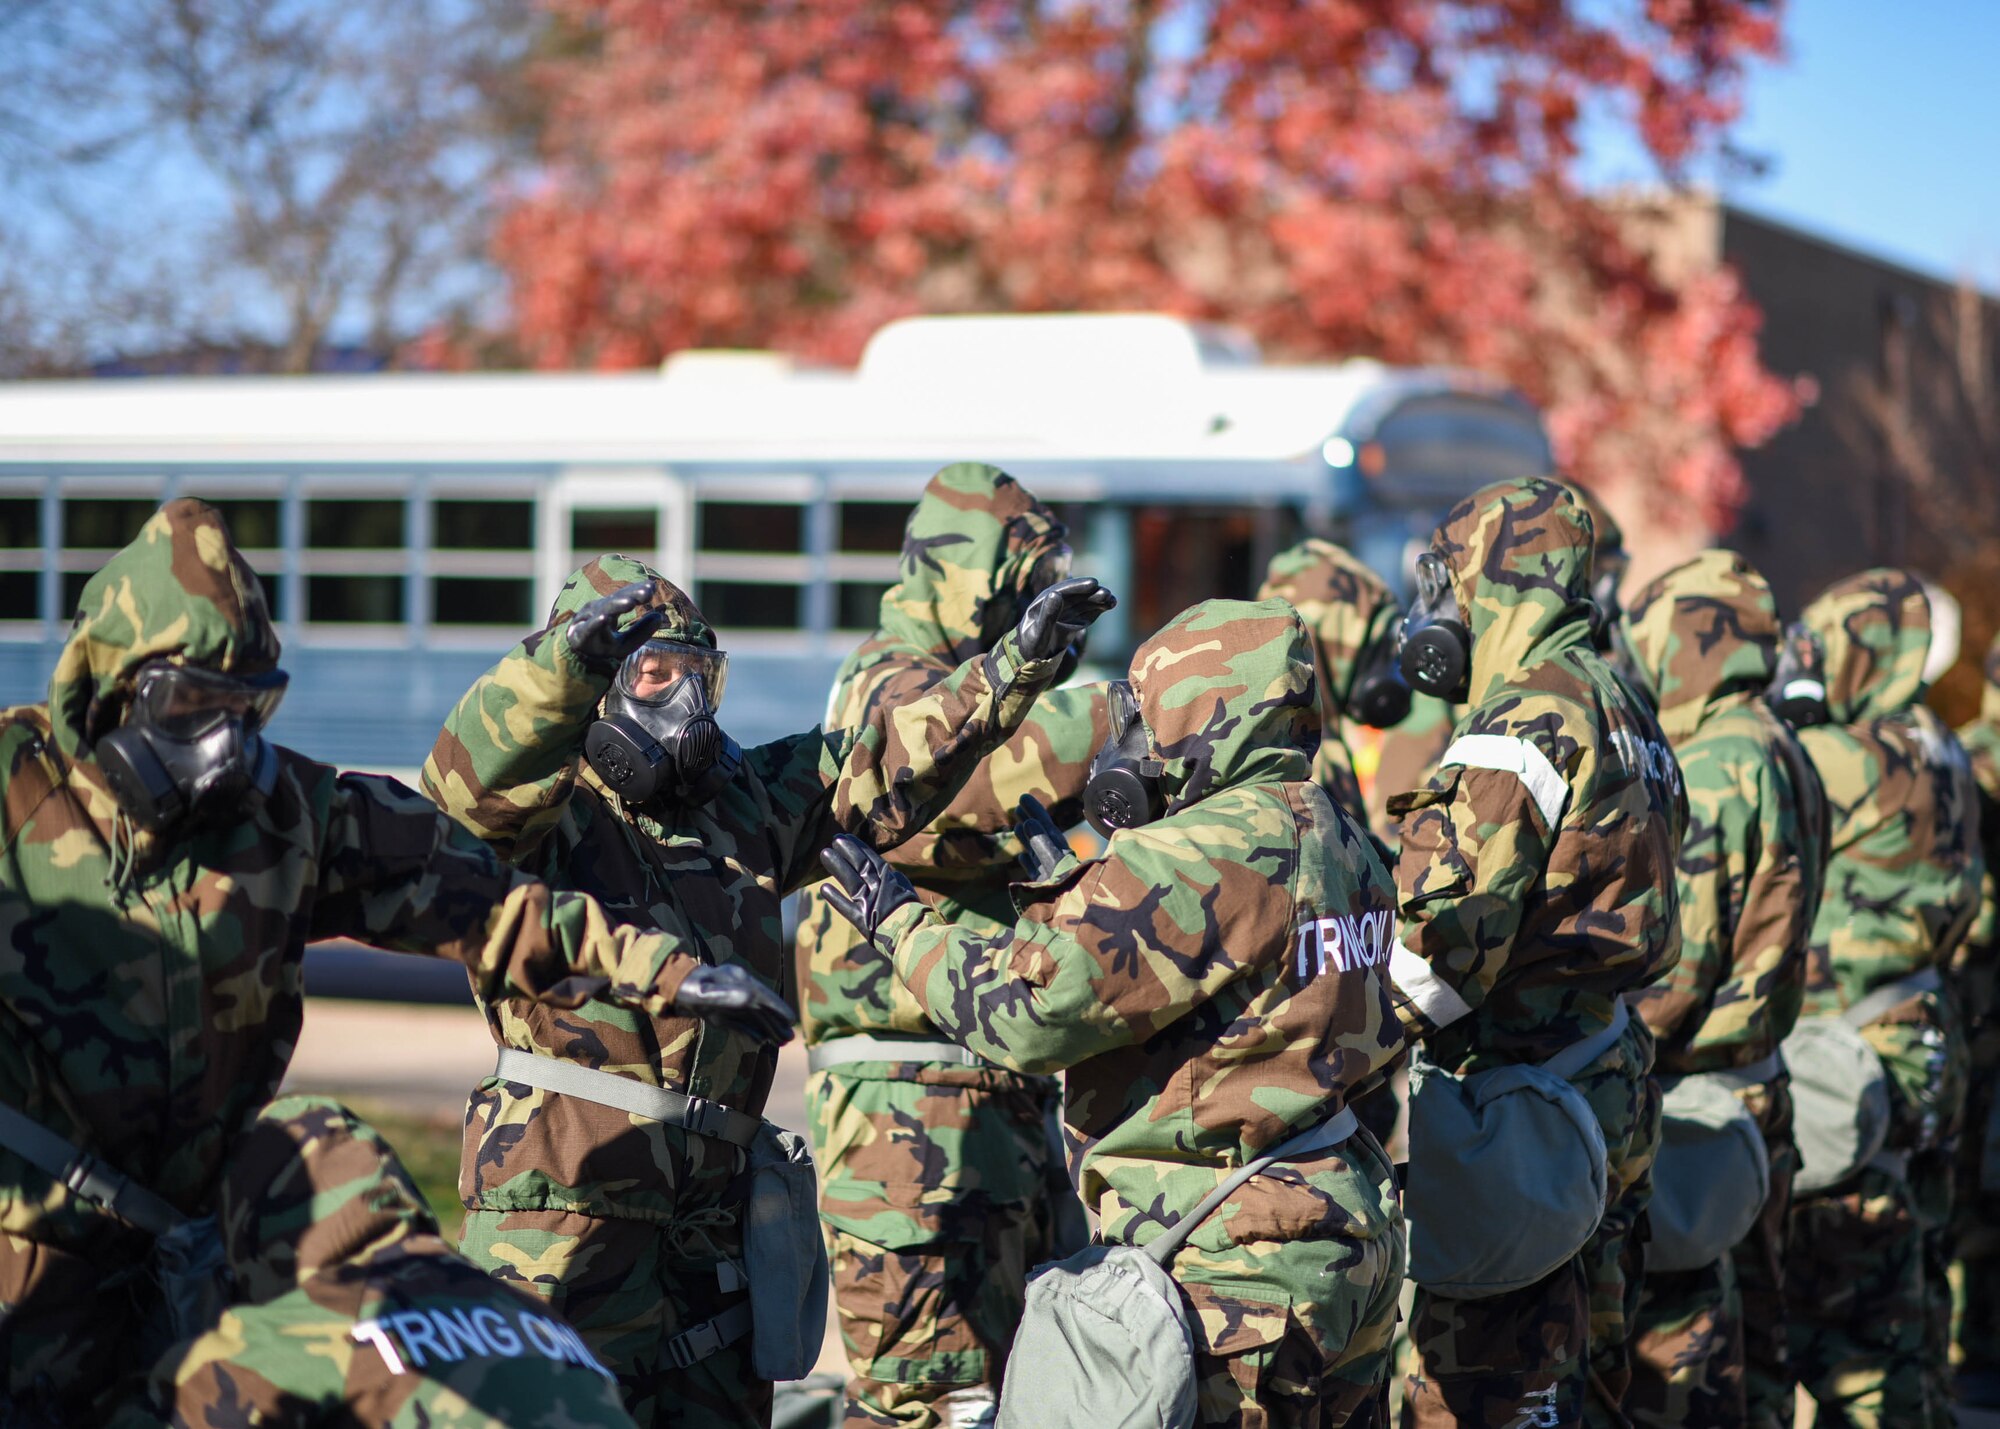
1393,178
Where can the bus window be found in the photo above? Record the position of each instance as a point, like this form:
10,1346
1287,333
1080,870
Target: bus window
858,604
752,527
872,527
103,523
482,600
354,525
1185,554
631,531
21,523
483,525
748,605
354,600
20,595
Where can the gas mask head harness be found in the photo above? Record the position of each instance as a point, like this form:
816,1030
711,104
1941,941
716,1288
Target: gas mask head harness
1436,648
191,748
1797,692
657,741
1124,787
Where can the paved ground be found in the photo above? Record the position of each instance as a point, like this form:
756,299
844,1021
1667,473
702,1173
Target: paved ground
424,1059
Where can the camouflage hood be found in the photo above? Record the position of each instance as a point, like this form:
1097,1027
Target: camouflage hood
611,573
1344,603
1876,628
309,1187
1705,636
1519,554
179,592
1228,697
970,553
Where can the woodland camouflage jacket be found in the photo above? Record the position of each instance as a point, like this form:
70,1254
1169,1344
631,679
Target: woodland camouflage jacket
150,991
1537,864
1704,637
1348,609
352,1311
1903,884
1214,982
508,767
1981,738
976,544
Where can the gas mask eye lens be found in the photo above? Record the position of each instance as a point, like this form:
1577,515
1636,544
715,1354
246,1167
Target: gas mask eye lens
185,703
651,672
1433,580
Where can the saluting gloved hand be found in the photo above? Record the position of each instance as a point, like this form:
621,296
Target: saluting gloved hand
1055,618
730,995
594,633
1043,847
873,890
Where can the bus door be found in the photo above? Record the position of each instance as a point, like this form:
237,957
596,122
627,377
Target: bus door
646,513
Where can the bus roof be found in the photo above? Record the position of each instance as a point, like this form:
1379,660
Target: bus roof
1034,389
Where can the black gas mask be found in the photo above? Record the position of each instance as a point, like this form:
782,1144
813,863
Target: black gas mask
191,749
1797,692
1124,788
1436,649
1380,695
657,741
1607,610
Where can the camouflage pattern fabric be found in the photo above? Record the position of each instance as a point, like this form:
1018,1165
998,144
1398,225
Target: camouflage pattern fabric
1536,878
623,1223
353,1311
941,1186
1213,983
1704,640
150,987
1902,889
1976,977
1349,610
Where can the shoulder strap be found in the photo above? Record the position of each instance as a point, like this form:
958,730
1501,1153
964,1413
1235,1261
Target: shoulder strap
84,1174
1895,994
1572,1060
1330,1132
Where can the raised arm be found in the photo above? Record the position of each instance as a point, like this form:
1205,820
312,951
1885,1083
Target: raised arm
396,874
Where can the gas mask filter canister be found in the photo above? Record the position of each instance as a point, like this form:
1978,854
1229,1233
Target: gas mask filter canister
1436,650
1124,787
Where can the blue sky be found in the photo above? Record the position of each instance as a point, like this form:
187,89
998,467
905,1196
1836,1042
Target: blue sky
1882,125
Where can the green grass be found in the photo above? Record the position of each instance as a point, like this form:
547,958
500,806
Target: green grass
428,1147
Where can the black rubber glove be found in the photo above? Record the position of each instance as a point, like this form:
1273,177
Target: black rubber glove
873,890
1043,847
1055,618
730,995
594,633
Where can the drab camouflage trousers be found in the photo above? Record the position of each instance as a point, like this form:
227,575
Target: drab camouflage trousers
1556,1353
940,1189
1709,1345
634,1270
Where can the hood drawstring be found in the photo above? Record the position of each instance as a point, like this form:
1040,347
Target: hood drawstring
124,855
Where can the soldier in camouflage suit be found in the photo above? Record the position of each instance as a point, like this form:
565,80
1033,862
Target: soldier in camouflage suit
1213,984
352,1310
1355,620
150,989
1976,1212
1710,1346
632,1227
1901,890
1536,877
942,1183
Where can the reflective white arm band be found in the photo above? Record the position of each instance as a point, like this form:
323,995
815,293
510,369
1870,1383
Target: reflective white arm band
1520,758
1435,998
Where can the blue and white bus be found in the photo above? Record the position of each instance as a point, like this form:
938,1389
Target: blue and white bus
410,527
